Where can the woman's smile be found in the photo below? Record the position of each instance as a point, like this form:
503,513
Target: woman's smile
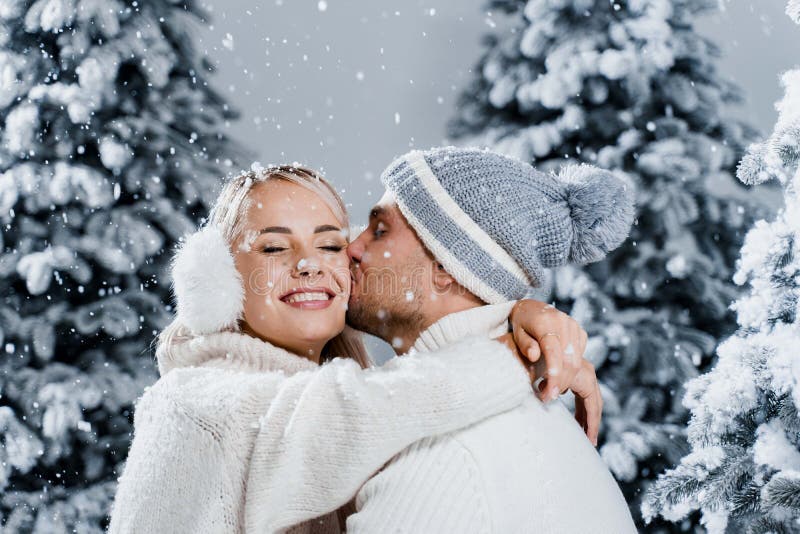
309,298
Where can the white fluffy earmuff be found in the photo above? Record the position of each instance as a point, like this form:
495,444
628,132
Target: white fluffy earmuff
208,289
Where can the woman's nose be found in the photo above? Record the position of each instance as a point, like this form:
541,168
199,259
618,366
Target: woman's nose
308,266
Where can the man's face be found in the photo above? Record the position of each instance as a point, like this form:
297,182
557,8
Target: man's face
392,274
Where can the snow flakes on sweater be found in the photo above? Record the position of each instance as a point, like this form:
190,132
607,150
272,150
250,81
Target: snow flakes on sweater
232,413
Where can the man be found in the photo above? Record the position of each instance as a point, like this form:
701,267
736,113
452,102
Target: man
460,235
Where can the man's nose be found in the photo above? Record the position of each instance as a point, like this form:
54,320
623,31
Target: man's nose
355,250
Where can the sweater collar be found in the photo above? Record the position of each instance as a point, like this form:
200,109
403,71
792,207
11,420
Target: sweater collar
489,320
232,350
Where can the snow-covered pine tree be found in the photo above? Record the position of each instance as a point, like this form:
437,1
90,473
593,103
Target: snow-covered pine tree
631,86
110,150
743,471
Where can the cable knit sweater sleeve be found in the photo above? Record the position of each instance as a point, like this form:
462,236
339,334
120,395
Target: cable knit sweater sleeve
260,452
325,433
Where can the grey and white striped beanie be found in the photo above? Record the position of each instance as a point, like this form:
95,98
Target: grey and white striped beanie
495,223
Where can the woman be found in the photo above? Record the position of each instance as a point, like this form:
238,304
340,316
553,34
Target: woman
244,431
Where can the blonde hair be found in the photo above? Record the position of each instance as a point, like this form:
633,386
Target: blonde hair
229,215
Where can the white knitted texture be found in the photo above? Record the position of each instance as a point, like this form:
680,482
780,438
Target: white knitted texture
528,470
238,445
407,484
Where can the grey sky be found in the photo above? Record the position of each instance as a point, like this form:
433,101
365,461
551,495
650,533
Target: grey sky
347,85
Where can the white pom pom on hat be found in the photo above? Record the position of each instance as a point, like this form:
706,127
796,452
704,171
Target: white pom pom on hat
601,209
209,292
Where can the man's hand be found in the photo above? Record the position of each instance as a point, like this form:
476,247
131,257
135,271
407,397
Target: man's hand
554,343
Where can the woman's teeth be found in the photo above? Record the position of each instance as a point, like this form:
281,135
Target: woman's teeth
306,297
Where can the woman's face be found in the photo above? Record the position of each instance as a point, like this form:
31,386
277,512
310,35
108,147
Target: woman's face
294,265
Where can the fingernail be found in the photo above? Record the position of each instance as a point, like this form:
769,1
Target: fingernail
554,393
553,371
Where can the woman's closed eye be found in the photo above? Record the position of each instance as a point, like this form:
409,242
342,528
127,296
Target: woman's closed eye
327,248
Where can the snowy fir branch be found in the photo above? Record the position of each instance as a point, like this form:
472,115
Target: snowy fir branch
793,10
746,410
110,150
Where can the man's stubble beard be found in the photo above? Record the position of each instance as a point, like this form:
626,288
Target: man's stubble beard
399,315
402,316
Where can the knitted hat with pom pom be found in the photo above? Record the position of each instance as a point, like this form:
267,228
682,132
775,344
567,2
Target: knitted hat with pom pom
495,223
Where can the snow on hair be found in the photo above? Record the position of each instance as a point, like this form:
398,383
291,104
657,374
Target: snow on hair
234,199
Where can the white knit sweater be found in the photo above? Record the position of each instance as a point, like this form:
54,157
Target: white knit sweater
245,437
528,470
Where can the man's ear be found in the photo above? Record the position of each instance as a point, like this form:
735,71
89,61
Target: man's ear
442,280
